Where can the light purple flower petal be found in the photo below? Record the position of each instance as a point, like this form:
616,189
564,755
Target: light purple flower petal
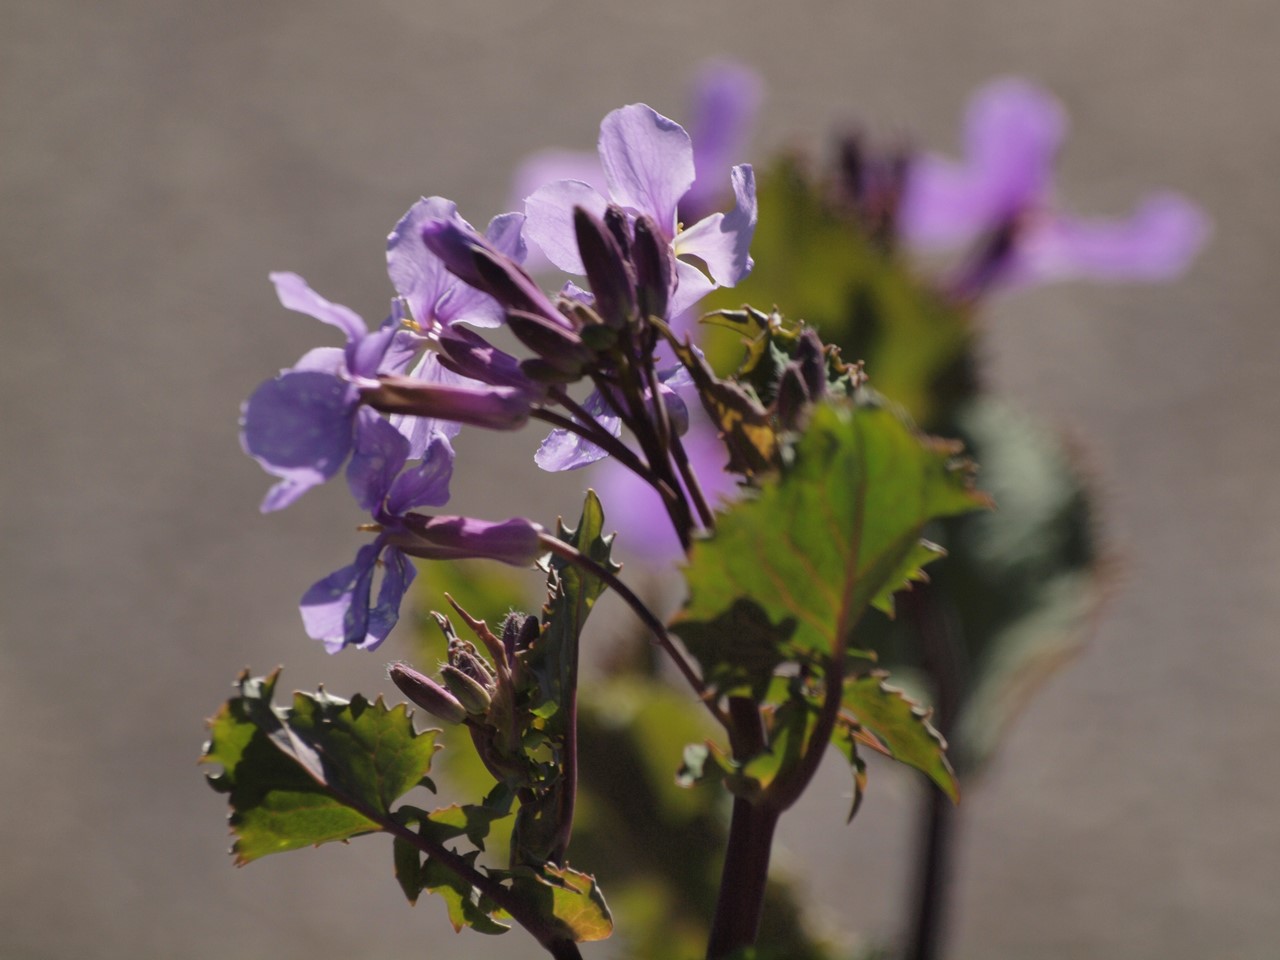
397,575
726,99
547,166
436,296
365,353
506,235
379,454
335,609
691,286
426,485
723,241
299,428
648,162
565,450
330,360
415,272
1158,242
549,220
295,294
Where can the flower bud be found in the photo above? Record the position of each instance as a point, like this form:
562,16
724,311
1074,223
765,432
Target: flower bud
427,694
497,408
470,692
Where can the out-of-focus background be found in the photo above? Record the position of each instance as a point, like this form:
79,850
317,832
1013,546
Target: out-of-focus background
158,159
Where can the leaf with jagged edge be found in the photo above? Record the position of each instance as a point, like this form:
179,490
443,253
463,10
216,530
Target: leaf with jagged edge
323,770
830,535
467,907
570,899
902,728
551,662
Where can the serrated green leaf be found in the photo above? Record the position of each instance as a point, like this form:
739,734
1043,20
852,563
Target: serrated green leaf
550,664
838,528
296,778
903,727
467,906
570,899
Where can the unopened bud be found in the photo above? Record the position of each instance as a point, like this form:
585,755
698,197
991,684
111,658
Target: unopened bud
427,694
470,693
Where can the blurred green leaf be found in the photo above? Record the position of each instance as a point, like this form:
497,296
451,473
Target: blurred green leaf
814,261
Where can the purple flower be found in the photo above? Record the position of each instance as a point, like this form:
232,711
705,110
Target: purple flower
339,609
300,425
648,163
1003,192
435,296
725,98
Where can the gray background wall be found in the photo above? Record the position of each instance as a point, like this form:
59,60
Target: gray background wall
157,159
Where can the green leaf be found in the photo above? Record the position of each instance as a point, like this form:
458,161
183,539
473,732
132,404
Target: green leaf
467,907
324,770
831,535
1019,591
902,728
551,663
740,648
572,900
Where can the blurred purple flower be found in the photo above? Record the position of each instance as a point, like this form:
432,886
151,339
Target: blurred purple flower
648,163
1002,193
339,609
300,425
636,511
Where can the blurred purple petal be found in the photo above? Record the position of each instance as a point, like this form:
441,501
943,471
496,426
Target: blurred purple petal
295,294
549,220
723,241
1158,242
1013,131
547,166
648,162
726,99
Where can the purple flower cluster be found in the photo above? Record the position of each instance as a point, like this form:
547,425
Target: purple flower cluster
429,370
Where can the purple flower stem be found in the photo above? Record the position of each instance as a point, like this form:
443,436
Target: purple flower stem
571,554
